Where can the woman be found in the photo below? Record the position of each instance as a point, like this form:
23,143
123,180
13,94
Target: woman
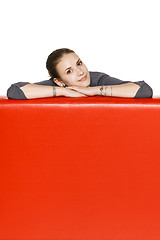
71,78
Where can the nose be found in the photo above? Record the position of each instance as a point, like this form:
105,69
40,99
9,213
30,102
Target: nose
79,72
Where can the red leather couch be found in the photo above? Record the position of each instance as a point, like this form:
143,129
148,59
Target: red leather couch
80,169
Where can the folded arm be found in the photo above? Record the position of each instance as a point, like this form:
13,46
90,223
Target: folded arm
127,90
25,90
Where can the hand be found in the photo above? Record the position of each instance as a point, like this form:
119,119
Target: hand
71,93
89,91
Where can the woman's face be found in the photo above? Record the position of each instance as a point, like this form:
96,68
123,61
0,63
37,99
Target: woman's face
72,71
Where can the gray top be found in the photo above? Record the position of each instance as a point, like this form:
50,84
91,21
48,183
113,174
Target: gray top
97,79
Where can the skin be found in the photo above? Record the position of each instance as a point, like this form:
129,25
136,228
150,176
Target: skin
71,70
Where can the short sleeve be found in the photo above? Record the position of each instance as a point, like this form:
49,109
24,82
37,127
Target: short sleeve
145,91
14,92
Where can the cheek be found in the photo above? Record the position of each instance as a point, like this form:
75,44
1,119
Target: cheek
70,79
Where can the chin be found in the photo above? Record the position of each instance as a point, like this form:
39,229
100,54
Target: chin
84,83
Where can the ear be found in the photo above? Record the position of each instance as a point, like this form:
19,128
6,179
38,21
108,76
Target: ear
58,82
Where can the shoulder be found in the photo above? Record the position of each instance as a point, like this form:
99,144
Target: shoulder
95,77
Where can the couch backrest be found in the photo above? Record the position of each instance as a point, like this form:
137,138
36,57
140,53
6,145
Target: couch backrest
79,168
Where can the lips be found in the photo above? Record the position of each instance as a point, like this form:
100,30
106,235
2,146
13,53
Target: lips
83,79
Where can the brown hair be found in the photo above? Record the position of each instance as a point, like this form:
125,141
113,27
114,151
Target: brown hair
54,58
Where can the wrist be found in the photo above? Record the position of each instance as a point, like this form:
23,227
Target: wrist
102,91
59,91
98,90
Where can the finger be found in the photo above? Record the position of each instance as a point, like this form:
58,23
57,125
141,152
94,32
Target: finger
78,90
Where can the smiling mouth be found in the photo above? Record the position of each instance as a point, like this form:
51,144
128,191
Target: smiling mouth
83,79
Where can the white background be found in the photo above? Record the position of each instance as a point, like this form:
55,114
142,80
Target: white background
118,37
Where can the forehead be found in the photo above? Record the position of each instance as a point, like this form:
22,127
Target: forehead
68,60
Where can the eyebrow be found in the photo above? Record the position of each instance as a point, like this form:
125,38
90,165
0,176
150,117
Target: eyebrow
70,67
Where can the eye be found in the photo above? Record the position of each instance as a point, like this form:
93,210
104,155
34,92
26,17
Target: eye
69,71
79,63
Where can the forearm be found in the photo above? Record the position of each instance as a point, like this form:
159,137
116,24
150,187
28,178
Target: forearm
127,90
40,91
